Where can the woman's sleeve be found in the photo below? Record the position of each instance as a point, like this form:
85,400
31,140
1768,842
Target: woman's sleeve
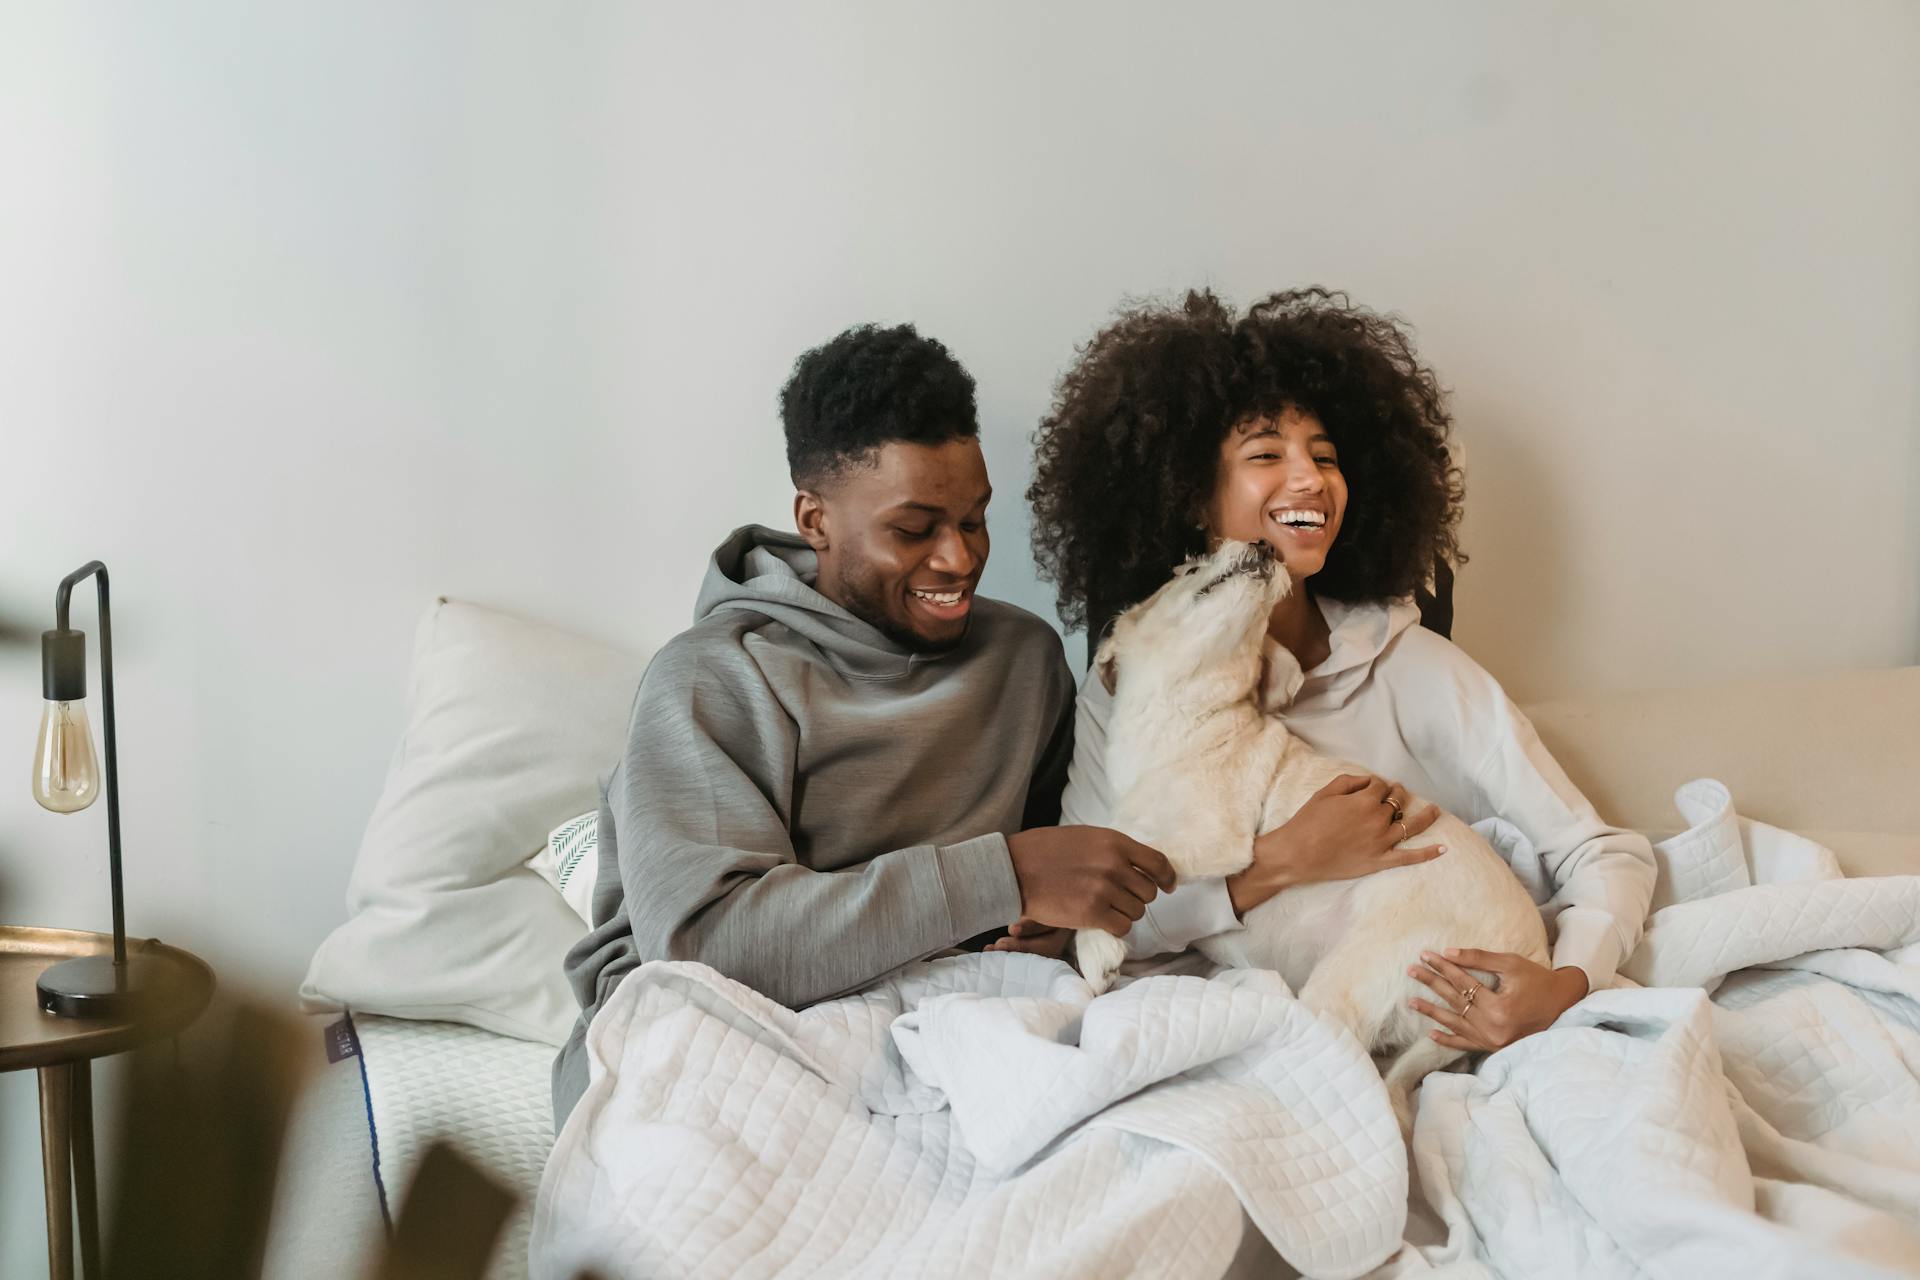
1602,875
1196,908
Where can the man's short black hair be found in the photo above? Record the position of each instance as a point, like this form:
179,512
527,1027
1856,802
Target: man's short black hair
866,388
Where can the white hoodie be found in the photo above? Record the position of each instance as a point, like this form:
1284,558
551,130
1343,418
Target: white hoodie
1408,705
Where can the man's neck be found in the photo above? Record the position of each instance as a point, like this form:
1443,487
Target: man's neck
1297,624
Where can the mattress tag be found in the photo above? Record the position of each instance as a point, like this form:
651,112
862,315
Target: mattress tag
341,1042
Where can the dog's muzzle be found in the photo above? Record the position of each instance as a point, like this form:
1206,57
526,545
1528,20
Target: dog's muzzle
1257,559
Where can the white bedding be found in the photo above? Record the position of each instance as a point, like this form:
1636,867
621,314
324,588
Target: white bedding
983,1114
1770,1130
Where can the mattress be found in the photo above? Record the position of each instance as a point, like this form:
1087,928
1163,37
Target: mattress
486,1094
390,1087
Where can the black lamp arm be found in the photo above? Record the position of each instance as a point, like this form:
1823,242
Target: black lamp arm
66,590
93,568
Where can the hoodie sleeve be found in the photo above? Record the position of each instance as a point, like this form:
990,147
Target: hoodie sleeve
1603,875
1173,921
708,871
1459,718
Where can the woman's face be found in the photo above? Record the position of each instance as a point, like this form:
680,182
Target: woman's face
1280,480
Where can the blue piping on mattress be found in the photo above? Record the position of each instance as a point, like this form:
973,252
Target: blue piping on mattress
373,1134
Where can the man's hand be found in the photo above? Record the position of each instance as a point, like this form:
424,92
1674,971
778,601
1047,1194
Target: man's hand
1086,877
1034,938
1346,830
1476,1018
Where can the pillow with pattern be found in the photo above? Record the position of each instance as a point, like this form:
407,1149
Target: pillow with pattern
570,861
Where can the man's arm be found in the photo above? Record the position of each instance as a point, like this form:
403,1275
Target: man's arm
709,873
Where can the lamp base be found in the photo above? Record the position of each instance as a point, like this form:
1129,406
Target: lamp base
95,987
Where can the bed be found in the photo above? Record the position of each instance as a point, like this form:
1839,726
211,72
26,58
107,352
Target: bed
1830,756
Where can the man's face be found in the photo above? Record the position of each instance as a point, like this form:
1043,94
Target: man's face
903,539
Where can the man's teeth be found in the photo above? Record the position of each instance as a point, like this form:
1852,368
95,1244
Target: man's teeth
1314,519
940,597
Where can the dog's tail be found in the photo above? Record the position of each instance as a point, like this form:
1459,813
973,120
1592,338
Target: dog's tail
1405,1072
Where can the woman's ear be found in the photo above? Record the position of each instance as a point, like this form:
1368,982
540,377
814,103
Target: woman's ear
810,519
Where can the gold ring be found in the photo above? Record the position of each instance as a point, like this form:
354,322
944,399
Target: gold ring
1405,835
1466,1002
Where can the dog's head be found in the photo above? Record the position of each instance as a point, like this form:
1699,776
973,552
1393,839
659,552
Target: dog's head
1199,637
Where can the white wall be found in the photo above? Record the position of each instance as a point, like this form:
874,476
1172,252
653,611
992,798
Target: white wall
310,312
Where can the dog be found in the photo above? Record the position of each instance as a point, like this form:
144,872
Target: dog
1198,770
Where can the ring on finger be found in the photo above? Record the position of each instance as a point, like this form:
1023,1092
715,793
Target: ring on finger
1405,835
1466,999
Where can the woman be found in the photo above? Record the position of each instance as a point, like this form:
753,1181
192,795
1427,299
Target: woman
1310,423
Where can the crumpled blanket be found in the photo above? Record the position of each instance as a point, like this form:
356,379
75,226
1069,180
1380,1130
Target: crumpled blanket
1750,1109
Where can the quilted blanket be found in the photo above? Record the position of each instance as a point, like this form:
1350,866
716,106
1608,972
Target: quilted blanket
1770,1130
1750,1109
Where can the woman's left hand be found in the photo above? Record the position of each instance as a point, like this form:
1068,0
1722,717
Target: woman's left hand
1478,1018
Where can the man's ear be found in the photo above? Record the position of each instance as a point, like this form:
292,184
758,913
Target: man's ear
810,519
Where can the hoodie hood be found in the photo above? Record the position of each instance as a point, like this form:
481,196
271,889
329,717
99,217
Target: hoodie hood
1360,633
760,571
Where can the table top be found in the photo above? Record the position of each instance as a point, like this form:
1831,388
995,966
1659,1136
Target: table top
31,1037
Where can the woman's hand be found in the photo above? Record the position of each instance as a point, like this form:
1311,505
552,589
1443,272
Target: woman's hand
1477,1018
1034,938
1348,829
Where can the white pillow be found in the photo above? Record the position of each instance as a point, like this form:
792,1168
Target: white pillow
1706,859
570,862
509,727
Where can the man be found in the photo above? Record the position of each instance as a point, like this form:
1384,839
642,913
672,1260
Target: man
851,761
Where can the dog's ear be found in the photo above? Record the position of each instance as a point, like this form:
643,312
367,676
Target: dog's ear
1281,677
1107,663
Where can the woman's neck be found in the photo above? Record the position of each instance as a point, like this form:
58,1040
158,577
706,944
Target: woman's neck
1297,624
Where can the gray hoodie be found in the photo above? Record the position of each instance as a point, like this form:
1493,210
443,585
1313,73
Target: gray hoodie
806,805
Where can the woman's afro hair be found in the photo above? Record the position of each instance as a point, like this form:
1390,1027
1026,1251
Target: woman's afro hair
1127,459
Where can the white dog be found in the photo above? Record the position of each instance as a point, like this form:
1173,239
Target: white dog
1198,770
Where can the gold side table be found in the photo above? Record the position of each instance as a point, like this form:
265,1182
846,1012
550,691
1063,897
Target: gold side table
62,1051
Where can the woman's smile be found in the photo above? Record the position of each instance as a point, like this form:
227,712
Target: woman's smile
1303,526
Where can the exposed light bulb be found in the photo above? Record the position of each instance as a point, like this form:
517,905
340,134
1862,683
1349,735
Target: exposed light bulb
66,773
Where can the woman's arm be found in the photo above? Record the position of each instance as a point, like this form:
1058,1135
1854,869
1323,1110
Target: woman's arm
1481,748
1603,875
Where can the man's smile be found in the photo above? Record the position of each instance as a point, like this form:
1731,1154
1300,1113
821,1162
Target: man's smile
946,604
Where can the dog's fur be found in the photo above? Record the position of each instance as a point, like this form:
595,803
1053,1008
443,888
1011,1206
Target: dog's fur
1198,769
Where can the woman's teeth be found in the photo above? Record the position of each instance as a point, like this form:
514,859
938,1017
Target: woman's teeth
1302,519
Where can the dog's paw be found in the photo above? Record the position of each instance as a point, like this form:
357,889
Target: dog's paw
1099,954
